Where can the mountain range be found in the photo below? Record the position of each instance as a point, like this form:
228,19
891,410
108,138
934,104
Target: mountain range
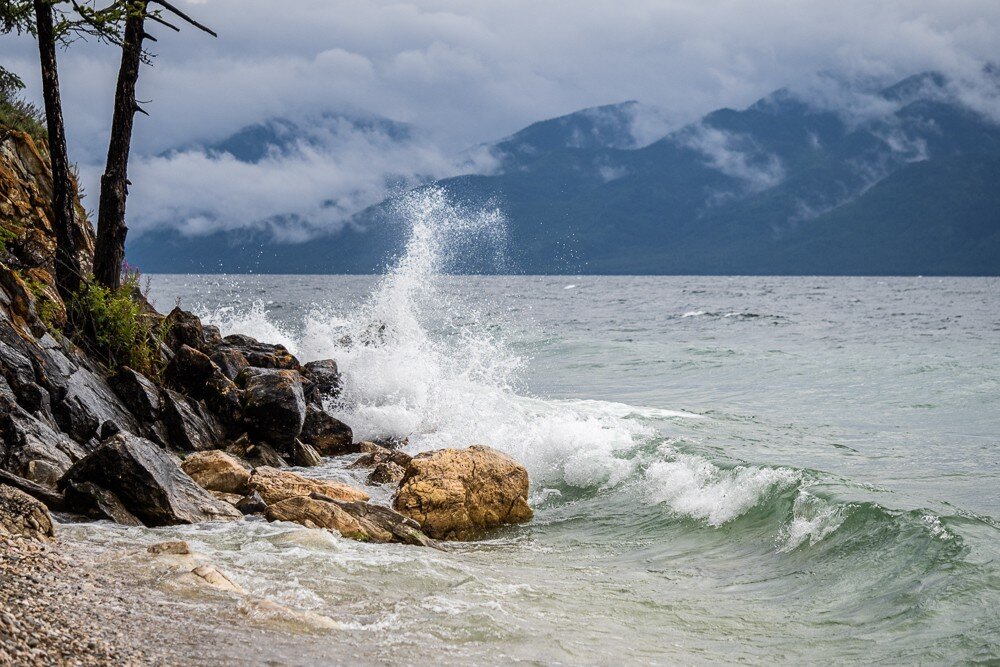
897,181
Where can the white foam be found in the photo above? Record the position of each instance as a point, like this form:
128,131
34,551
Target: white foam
693,313
812,519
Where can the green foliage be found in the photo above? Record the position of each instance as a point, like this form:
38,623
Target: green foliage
117,326
6,236
17,113
46,309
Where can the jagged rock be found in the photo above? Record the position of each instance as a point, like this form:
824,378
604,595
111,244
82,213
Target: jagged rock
138,393
387,472
15,364
457,494
325,379
277,485
20,514
230,361
329,435
274,407
184,328
98,503
190,427
378,454
148,482
212,336
193,373
304,455
217,471
88,403
252,504
229,498
355,520
256,454
31,448
53,500
261,355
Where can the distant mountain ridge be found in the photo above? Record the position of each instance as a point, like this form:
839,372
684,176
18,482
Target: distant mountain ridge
905,183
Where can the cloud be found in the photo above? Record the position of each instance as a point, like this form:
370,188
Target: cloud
465,73
735,155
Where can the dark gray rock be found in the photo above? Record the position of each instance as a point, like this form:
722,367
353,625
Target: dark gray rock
189,426
89,402
31,447
193,373
92,501
261,355
148,482
230,361
252,504
274,407
184,328
325,378
256,454
387,472
138,393
329,435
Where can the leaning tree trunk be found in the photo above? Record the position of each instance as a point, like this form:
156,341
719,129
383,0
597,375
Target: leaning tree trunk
111,230
68,266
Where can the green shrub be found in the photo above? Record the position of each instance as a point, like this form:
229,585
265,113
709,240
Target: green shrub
47,311
116,326
17,113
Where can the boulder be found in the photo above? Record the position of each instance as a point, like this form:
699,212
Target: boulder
217,471
138,393
305,456
261,355
252,504
20,514
274,407
325,379
387,472
378,454
329,435
88,404
230,361
31,448
193,373
190,426
257,454
277,485
184,328
458,494
355,520
148,482
90,500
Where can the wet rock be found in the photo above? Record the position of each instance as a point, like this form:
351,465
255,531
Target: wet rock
189,426
252,504
458,494
138,393
89,402
330,436
261,355
304,455
90,500
31,448
257,454
210,575
325,379
229,498
355,520
274,407
230,361
378,454
149,483
387,472
53,500
216,470
184,328
20,514
276,485
193,373
173,547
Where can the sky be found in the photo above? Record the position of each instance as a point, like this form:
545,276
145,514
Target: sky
462,73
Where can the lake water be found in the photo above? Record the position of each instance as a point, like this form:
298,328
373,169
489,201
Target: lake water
723,468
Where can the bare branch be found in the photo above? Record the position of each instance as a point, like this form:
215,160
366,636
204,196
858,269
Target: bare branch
170,8
154,17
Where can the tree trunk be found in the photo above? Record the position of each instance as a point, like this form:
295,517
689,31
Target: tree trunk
69,269
111,230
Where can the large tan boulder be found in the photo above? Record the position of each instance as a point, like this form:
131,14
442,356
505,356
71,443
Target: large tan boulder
20,514
275,485
217,471
313,513
458,494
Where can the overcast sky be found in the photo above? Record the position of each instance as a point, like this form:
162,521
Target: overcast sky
469,71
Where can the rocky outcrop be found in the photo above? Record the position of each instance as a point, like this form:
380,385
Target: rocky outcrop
276,485
324,378
148,482
459,494
217,471
22,515
191,427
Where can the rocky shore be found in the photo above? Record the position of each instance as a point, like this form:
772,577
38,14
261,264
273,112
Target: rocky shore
207,431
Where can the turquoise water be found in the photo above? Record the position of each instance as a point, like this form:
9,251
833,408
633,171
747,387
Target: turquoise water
737,469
